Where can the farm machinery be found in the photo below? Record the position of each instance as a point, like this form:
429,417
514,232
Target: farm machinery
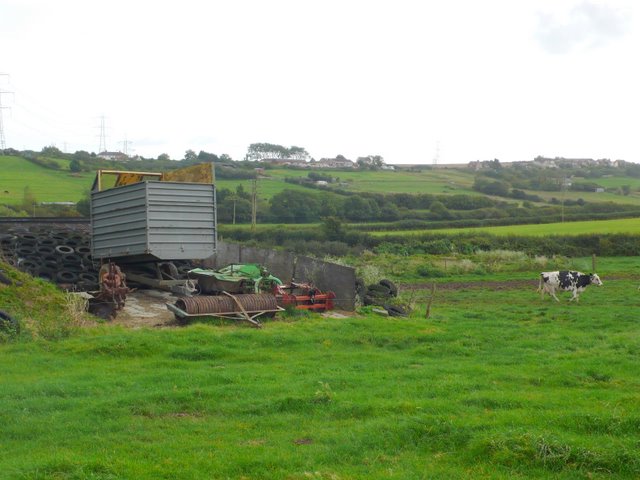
147,222
247,292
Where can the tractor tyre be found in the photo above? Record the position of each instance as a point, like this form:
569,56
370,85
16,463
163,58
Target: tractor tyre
395,311
8,324
391,286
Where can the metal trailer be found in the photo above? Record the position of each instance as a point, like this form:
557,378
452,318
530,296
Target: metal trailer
154,222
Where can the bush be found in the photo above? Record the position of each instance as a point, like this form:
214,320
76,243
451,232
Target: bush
429,271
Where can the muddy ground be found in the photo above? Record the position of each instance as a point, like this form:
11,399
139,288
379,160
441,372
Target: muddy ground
147,308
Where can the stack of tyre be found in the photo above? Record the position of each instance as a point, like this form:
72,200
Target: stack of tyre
380,294
59,256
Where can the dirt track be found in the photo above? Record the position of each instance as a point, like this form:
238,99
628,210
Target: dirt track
492,285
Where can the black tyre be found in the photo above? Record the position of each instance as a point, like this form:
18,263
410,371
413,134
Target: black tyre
391,286
72,267
369,300
395,311
64,250
378,291
49,242
28,266
25,251
66,276
45,250
73,259
46,274
51,265
88,277
8,324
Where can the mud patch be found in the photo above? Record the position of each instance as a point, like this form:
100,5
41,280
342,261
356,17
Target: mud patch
147,308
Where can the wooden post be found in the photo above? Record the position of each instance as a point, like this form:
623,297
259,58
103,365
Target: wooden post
433,294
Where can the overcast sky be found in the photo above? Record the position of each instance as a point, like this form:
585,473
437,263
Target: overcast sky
409,80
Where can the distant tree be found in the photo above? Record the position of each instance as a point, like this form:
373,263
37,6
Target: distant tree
83,206
263,151
297,153
190,156
371,162
164,157
439,211
389,212
292,206
28,199
360,209
242,193
75,166
83,156
52,151
207,157
234,205
332,228
226,158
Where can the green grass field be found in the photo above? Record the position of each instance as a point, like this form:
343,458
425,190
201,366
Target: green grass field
626,225
497,384
45,184
447,182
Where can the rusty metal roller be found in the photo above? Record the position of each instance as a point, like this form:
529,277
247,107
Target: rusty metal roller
212,304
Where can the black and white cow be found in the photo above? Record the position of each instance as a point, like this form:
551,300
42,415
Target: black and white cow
575,282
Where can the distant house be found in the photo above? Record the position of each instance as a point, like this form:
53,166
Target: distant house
291,162
114,156
334,163
599,190
322,183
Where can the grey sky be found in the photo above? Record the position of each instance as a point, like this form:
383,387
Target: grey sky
492,79
588,25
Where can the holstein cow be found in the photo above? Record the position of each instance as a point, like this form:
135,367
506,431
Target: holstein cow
575,282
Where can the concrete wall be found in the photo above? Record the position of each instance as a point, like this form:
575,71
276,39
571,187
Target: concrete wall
288,266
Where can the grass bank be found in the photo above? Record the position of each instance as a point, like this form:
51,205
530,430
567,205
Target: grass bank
496,384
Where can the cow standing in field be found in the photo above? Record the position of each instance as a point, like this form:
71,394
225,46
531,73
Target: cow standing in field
575,282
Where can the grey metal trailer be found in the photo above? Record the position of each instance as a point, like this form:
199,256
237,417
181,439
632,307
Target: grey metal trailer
154,221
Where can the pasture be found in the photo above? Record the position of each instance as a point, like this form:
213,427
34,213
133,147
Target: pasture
625,225
446,182
46,185
496,384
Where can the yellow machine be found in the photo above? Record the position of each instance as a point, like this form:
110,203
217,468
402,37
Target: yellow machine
201,173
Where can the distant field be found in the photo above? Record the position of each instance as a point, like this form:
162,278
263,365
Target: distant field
633,199
613,182
627,225
439,181
45,184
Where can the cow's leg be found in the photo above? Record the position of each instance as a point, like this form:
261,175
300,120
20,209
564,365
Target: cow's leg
574,296
553,294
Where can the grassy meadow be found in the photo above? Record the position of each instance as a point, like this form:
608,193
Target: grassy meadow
496,384
626,225
45,184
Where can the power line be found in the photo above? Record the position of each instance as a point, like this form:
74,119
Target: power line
3,143
125,146
436,157
103,136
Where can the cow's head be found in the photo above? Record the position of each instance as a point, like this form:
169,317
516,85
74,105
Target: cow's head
595,279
